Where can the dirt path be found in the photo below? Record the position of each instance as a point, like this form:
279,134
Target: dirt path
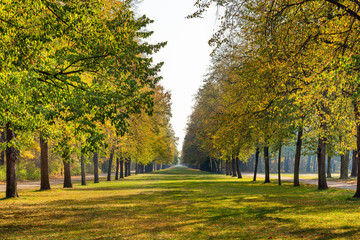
333,184
54,181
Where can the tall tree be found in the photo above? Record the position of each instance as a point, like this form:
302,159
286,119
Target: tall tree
44,164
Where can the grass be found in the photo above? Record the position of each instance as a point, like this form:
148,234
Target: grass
181,204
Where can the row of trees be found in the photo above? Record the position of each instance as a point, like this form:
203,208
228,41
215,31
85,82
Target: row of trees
79,74
283,73
345,164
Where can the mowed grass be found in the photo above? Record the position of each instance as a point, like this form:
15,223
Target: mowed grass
180,203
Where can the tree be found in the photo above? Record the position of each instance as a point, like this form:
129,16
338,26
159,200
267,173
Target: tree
78,58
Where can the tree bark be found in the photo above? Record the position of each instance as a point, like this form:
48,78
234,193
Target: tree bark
329,167
117,169
227,168
83,172
297,157
344,167
357,119
11,158
129,167
110,165
256,162
126,168
233,166
267,164
354,164
67,173
238,167
96,167
230,167
321,152
121,168
2,153
44,164
279,166
342,163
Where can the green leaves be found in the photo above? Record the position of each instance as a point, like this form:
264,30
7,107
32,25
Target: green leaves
78,62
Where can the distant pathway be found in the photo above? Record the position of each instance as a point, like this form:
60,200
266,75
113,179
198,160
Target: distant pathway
54,181
330,183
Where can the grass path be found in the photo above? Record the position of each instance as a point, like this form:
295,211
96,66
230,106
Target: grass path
181,203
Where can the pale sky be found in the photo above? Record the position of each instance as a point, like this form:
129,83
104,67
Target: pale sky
186,56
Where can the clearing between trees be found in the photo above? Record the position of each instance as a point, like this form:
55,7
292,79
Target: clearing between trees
181,203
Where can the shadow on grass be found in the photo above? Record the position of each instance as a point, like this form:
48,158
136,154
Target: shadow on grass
179,204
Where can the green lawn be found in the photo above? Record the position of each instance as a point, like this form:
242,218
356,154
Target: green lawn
181,204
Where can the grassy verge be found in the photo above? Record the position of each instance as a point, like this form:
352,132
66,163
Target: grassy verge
181,204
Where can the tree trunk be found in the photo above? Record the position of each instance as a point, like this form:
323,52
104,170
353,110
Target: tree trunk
2,158
230,167
279,166
238,167
126,168
227,168
129,167
96,167
256,162
329,167
233,166
347,161
2,153
321,152
267,164
297,157
344,167
121,168
44,164
357,119
83,173
354,164
110,165
126,165
67,173
117,169
11,158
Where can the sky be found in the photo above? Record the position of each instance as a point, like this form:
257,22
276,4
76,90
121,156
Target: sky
186,56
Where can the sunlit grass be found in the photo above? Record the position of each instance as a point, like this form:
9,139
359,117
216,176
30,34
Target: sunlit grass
181,204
